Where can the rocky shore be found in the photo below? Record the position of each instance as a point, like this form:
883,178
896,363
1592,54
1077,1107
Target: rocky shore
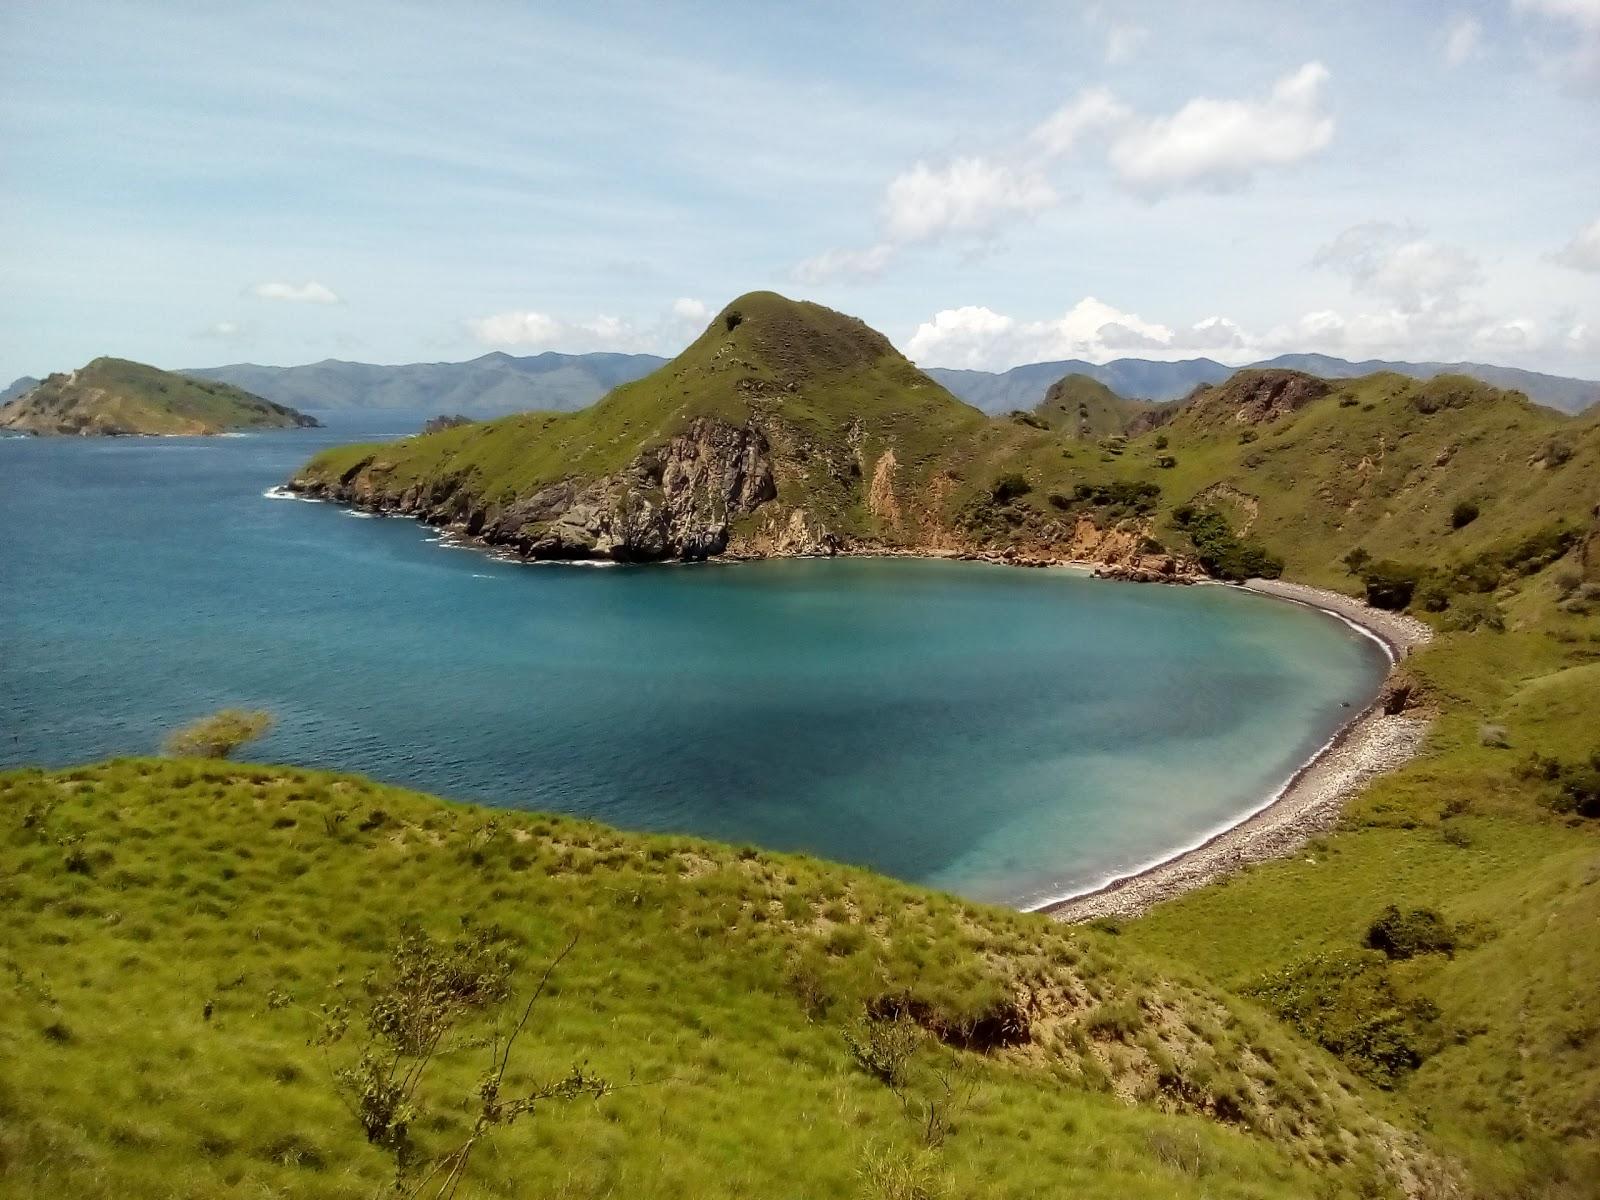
1381,738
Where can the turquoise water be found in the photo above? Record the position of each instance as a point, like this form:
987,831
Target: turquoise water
1011,735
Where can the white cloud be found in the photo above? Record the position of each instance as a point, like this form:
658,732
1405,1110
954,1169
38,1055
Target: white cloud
1395,263
1221,143
982,339
530,329
1582,253
835,264
1584,13
1206,143
1463,40
1094,110
310,292
968,195
1123,40
222,331
1570,36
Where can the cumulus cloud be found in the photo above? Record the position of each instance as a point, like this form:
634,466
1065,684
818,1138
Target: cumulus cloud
1207,143
1462,40
1092,111
530,329
310,292
1395,263
222,331
969,195
1222,143
1582,253
979,338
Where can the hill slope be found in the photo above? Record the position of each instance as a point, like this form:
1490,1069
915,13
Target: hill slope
181,934
113,396
487,386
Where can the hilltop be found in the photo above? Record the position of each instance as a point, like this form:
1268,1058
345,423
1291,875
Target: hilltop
1087,409
112,396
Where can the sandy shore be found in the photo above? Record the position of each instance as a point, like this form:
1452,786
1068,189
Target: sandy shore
1372,743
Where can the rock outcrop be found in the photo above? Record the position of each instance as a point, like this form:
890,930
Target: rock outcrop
676,500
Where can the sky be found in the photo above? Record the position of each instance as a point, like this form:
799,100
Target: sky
189,184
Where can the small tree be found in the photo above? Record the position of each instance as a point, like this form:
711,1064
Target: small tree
220,734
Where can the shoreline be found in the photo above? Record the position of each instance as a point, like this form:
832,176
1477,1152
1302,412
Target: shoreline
1373,742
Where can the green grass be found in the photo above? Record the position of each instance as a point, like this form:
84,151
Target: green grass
112,395
173,929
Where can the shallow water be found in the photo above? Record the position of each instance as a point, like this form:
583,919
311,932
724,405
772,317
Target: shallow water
1011,735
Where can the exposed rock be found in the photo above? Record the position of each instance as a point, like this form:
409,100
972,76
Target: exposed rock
445,421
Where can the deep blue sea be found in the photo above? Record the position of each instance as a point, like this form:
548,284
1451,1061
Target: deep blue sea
1008,734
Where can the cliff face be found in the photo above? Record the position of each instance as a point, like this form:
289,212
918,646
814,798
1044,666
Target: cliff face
676,500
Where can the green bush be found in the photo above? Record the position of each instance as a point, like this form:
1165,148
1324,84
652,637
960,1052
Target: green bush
1406,934
1221,551
1010,487
1463,514
1390,584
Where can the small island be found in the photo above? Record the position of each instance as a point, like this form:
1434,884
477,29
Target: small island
113,397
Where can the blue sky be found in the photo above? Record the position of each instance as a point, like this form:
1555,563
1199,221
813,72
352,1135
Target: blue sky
191,184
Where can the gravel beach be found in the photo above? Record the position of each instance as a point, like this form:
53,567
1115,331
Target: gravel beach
1372,743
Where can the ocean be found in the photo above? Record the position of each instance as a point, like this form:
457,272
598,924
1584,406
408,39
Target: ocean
1010,735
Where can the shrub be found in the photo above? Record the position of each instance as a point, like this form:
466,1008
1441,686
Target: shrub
1463,514
1390,584
1166,461
219,735
1476,612
884,1047
1161,441
1410,933
733,320
1221,551
1356,560
1009,487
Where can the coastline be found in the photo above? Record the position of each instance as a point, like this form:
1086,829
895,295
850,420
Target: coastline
1370,744
1373,742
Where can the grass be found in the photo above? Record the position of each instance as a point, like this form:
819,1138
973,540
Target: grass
173,929
112,395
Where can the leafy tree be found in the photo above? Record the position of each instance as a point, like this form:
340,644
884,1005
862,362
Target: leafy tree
220,734
1009,487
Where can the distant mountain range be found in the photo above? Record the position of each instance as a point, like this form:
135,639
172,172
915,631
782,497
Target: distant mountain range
488,386
1139,378
501,383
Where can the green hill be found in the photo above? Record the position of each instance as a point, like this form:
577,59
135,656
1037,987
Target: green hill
1086,408
112,396
179,936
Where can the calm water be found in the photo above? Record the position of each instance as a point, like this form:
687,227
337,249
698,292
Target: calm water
1011,735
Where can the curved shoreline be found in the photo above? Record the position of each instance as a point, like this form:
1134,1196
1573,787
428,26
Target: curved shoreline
1371,743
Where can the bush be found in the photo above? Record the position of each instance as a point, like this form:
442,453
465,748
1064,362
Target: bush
1355,562
1009,487
1476,612
1222,552
1390,584
219,735
1463,514
1166,461
1410,933
1161,441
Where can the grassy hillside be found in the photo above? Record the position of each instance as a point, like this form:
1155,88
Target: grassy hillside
1086,408
114,396
179,935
